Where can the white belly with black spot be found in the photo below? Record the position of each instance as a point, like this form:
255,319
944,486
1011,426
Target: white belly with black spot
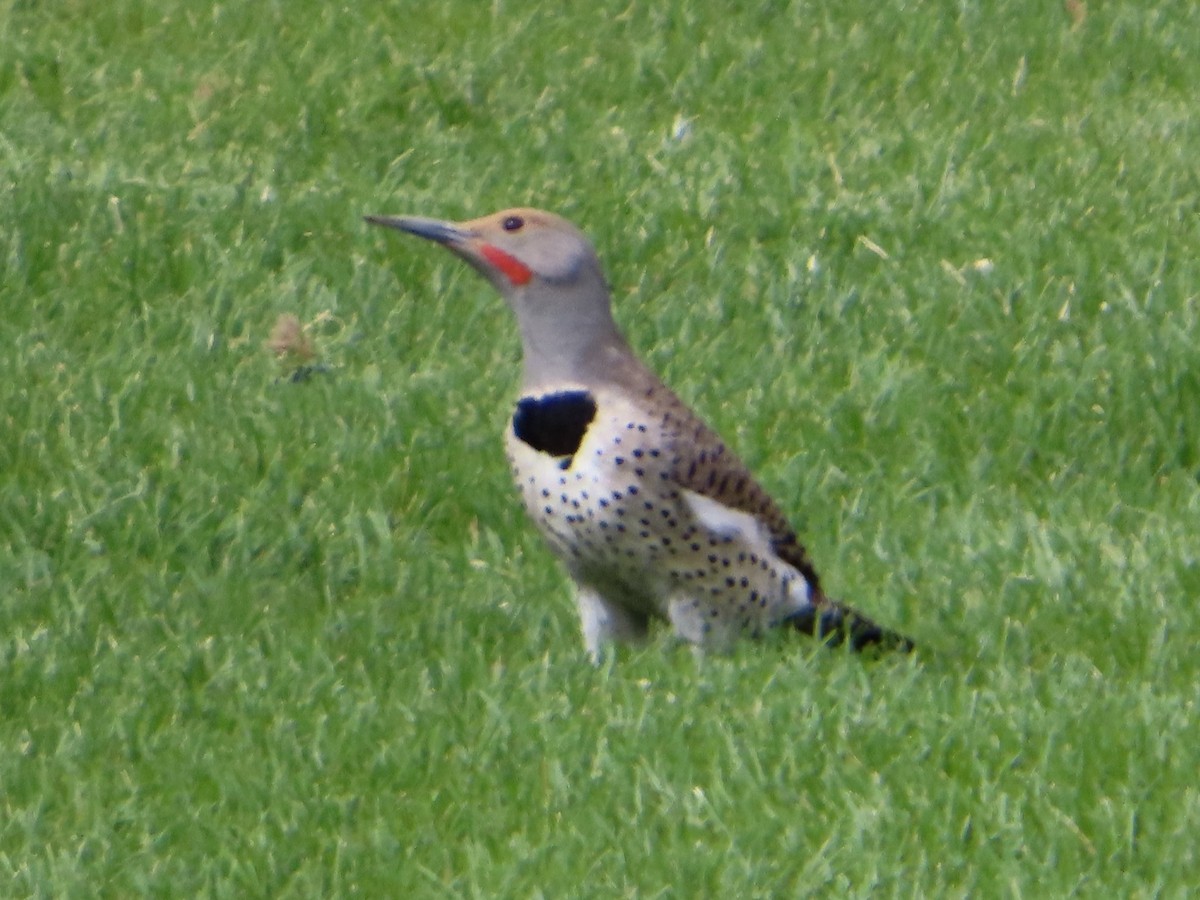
615,515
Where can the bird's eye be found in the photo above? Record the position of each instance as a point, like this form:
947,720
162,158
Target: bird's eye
514,223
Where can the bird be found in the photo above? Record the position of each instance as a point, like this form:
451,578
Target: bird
654,517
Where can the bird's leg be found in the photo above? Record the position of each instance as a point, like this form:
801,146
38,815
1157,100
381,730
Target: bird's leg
605,621
700,624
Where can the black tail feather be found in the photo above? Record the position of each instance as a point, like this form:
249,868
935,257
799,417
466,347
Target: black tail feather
835,623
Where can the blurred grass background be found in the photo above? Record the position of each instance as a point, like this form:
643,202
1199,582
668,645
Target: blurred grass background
930,268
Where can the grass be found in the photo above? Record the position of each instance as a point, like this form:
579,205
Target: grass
932,269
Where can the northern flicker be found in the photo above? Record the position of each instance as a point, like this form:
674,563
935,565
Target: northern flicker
652,515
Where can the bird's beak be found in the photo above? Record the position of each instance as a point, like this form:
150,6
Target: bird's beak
431,229
500,268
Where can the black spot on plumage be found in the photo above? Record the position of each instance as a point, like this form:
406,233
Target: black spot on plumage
556,423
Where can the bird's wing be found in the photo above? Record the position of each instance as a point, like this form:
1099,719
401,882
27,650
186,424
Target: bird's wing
700,462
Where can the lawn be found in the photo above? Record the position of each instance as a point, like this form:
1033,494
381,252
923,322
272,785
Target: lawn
931,268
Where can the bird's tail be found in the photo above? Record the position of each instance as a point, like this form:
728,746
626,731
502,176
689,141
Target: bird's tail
834,622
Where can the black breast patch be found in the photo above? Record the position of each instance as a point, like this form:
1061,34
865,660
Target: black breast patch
554,424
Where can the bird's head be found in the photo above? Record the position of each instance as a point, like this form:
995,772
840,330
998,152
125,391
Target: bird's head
514,249
547,271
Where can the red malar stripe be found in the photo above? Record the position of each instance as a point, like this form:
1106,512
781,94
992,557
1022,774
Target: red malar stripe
515,270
